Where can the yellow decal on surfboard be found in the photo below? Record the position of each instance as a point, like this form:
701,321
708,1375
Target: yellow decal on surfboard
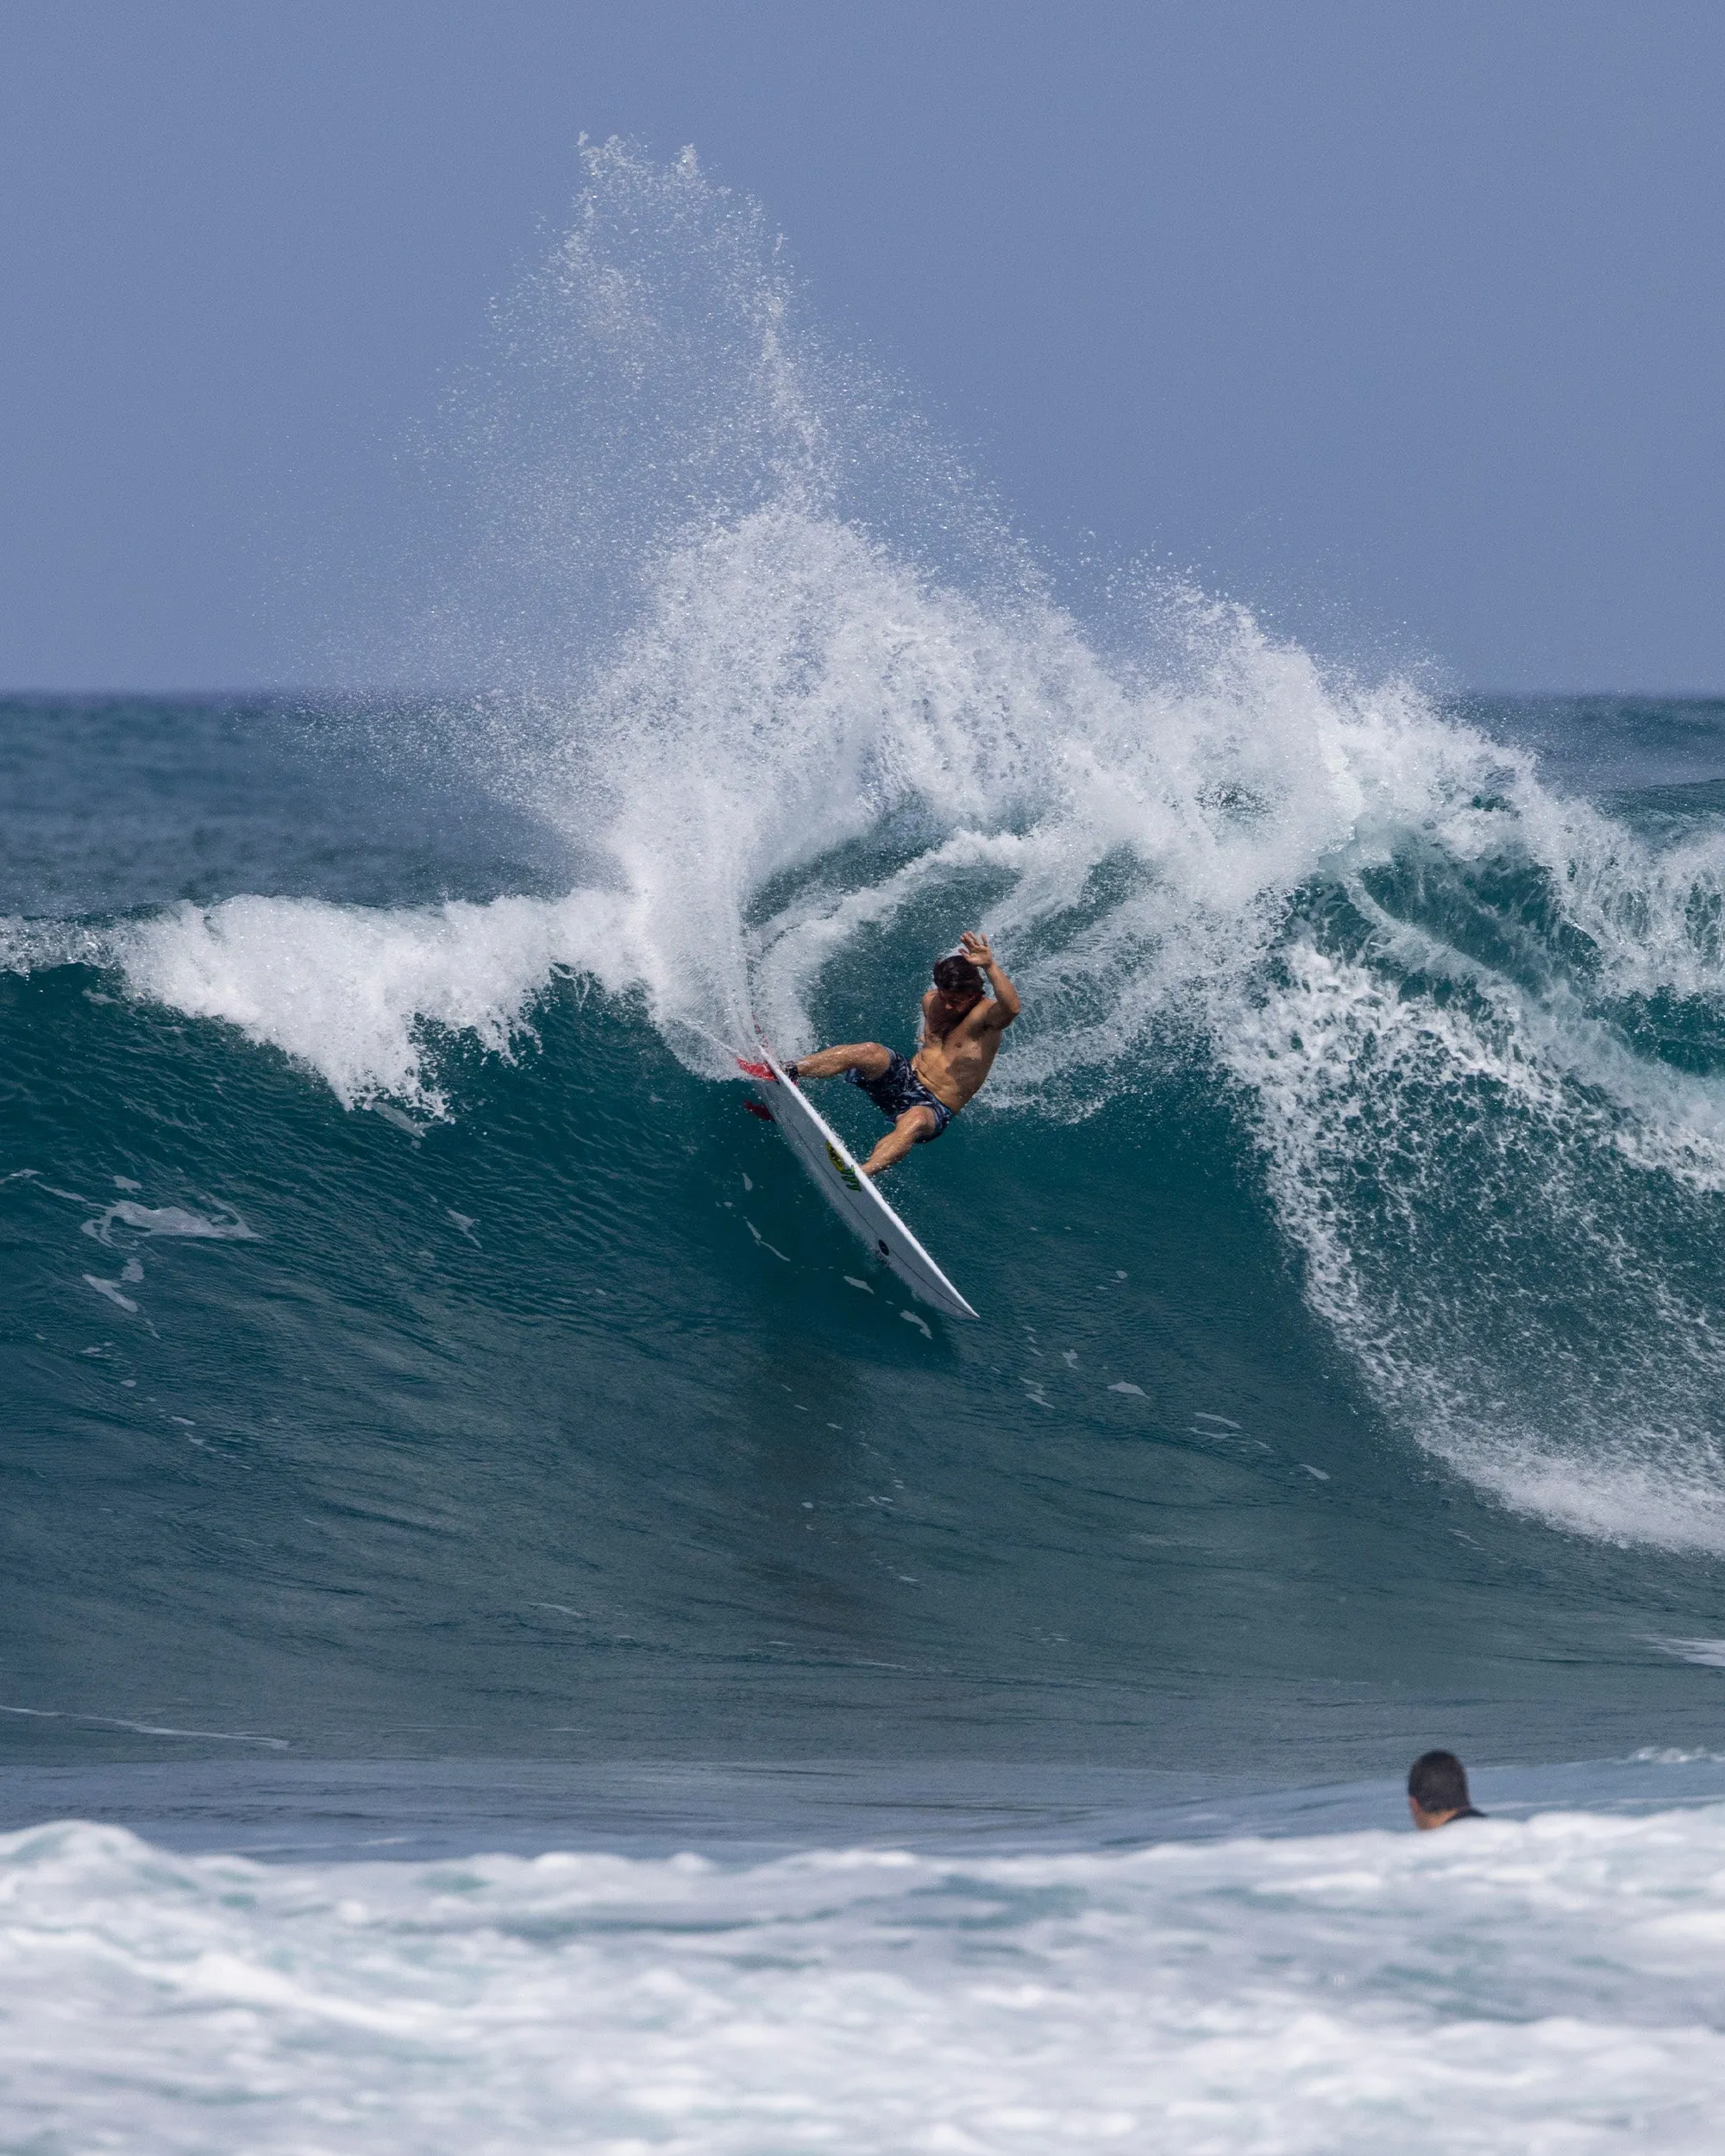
847,1174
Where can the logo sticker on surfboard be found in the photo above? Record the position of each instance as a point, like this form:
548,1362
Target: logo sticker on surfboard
846,1173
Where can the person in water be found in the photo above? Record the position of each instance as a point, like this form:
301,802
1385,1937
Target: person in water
1437,1791
961,1036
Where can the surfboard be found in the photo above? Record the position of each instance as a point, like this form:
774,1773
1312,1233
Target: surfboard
851,1193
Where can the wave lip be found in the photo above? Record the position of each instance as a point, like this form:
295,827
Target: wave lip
350,991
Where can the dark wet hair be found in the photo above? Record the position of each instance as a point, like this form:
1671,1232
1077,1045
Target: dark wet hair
955,975
1437,1782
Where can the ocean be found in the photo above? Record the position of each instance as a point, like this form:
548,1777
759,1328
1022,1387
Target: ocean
519,1634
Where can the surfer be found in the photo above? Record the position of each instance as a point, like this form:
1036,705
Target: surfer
962,1027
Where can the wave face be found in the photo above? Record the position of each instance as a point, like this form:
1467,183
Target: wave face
420,1348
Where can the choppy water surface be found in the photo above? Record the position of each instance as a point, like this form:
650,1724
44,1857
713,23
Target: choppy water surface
416,1355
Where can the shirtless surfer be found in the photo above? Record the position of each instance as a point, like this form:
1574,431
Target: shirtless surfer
961,1037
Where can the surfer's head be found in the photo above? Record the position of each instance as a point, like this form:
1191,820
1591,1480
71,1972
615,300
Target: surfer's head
1437,1791
958,981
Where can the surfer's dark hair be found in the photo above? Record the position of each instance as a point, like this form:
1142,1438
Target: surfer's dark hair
1437,1782
955,975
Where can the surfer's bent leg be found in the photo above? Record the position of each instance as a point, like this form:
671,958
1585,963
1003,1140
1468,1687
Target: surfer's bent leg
912,1128
867,1058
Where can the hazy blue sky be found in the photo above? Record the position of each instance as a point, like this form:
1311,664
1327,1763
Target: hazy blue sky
1404,319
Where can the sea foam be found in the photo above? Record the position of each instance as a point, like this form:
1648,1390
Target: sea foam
1498,1987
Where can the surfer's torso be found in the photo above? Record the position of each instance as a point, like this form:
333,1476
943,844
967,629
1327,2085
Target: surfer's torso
953,1064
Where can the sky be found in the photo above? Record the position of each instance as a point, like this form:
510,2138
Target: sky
1404,324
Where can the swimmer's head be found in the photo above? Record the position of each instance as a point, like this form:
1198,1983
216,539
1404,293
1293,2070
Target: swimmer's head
1437,1788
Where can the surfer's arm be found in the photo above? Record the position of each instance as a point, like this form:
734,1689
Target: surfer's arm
1005,1006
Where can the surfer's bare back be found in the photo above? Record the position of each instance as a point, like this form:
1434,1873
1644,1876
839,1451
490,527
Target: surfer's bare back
961,1038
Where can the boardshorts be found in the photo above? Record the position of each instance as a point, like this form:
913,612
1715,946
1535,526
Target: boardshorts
897,1088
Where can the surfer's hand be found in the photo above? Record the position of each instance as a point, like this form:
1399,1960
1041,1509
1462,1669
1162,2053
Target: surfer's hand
975,947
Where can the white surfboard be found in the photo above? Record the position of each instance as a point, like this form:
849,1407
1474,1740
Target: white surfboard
851,1193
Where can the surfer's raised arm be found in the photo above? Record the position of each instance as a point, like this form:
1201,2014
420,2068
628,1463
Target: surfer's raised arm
1006,1006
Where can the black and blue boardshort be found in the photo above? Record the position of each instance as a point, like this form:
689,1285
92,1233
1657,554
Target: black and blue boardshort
897,1088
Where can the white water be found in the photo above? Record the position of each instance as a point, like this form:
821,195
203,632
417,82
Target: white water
1548,1986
